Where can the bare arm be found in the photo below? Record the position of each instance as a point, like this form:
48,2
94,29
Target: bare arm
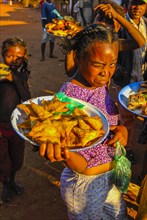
120,134
137,38
56,153
75,161
70,64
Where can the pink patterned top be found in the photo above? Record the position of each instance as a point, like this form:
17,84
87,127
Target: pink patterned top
100,98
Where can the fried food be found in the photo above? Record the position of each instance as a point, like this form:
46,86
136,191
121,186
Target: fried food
27,108
40,111
5,72
61,27
48,123
28,123
72,141
87,136
25,124
79,112
55,105
95,122
82,124
138,101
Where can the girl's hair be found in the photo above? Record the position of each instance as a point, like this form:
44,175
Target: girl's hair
12,42
83,40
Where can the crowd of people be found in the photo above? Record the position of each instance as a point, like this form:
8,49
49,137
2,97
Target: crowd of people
111,49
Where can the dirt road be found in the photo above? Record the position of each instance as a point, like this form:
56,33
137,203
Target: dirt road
41,198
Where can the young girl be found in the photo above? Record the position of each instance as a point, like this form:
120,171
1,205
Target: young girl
86,183
14,53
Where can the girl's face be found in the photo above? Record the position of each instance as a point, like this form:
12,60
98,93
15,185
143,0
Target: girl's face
99,65
15,56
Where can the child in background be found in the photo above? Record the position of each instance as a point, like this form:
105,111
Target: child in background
118,22
131,40
12,93
86,183
86,12
134,64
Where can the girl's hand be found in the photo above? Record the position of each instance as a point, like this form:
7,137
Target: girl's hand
54,152
70,60
120,134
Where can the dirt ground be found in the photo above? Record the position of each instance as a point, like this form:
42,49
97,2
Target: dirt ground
40,178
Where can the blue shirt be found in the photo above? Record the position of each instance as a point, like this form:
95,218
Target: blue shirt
47,12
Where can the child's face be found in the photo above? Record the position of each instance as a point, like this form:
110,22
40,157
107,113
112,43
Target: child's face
15,56
99,65
136,11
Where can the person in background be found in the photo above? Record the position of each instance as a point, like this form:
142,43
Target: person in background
12,93
86,11
134,61
86,183
122,3
135,66
128,45
76,11
117,21
48,12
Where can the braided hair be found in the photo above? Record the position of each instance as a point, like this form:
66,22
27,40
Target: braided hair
82,41
10,42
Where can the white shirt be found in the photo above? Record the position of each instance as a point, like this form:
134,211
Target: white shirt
139,54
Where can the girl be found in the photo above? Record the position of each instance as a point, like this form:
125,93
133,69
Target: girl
86,183
14,53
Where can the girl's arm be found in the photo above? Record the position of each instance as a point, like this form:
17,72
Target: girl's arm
56,153
120,134
70,64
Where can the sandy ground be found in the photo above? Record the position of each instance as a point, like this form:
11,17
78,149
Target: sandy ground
40,178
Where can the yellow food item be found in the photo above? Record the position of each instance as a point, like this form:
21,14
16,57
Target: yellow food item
61,27
87,136
138,101
40,111
27,109
5,72
95,122
48,123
